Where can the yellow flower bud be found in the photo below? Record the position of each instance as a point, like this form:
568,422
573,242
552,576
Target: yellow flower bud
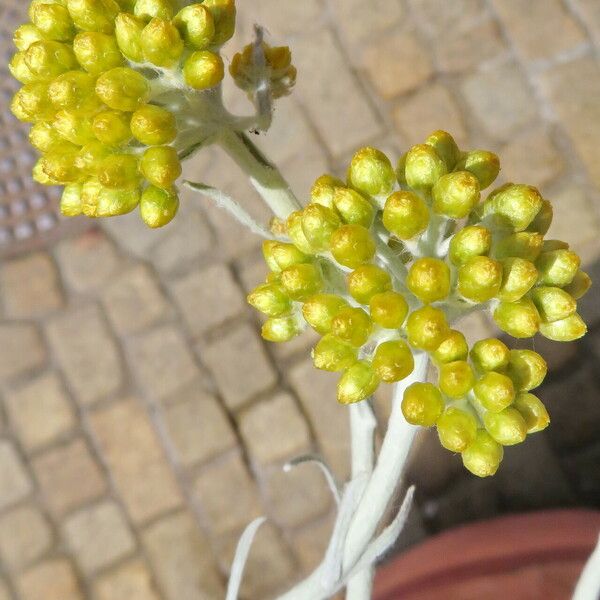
149,9
43,136
357,383
280,329
270,299
285,255
112,127
158,207
457,429
223,13
453,348
427,328
196,26
566,330
94,15
507,427
456,378
388,309
295,231
393,361
483,164
122,89
519,319
203,69
471,241
495,391
161,43
543,219
353,208
320,309
523,244
59,163
353,325
553,304
47,59
405,215
581,283
533,412
423,167
333,354
31,102
518,277
557,267
74,90
25,35
20,71
318,225
71,204
112,203
352,245
90,157
97,52
479,280
483,456
39,176
323,190
490,354
73,128
527,369
422,404
160,166
429,279
90,193
128,32
445,146
371,172
455,194
53,21
366,281
118,171
301,281
514,206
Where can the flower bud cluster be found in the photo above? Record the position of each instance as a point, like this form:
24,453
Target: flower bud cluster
380,266
98,80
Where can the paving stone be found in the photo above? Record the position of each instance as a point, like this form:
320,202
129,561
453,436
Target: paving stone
87,353
500,100
431,108
227,495
295,19
582,469
21,349
132,581
24,536
436,17
543,29
300,345
40,411
240,366
252,270
197,426
274,429
397,64
14,481
531,158
590,11
162,361
30,286
310,542
332,107
87,262
135,458
207,298
573,89
295,497
134,301
182,559
50,580
68,477
4,593
303,169
98,536
329,420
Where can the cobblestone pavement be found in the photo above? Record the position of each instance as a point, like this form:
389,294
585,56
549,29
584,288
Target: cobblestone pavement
143,420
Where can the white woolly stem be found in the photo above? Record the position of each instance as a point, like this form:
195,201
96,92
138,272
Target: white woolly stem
588,586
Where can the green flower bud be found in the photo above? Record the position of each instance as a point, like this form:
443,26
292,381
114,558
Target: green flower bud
483,164
268,248
523,244
94,15
128,32
581,283
90,157
280,329
479,280
31,102
495,391
527,369
557,267
112,203
393,361
507,427
59,163
566,330
427,328
519,319
453,348
160,166
301,281
353,208
388,309
270,299
371,172
469,242
295,231
352,245
366,281
456,378
223,13
514,206
196,26
74,90
423,167
122,89
112,127
455,194
333,354
48,59
286,255
422,404
357,383
401,169
161,43
318,225
149,9
320,309
553,304
483,456
70,202
490,354
323,190
90,193
543,219
73,128
43,136
518,277
533,412
53,21
353,325
25,35
158,207
457,429
20,71
405,215
429,279
118,171
97,52
203,69
445,146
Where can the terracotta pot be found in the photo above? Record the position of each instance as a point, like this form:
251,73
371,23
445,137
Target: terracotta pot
520,557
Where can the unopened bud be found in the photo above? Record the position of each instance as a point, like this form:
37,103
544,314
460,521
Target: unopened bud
196,25
371,172
301,281
161,43
388,309
565,330
158,207
455,194
495,391
422,404
479,280
523,244
427,328
323,190
483,456
352,245
445,146
280,329
527,369
471,241
557,267
518,277
393,361
553,303
483,164
203,69
366,281
490,354
456,378
333,354
453,348
533,412
352,325
507,427
405,215
457,429
318,225
514,206
519,319
423,167
353,207
270,299
320,309
581,283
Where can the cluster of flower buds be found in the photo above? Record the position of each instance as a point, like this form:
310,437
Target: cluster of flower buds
382,264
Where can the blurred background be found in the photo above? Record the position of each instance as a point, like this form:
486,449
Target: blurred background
143,420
